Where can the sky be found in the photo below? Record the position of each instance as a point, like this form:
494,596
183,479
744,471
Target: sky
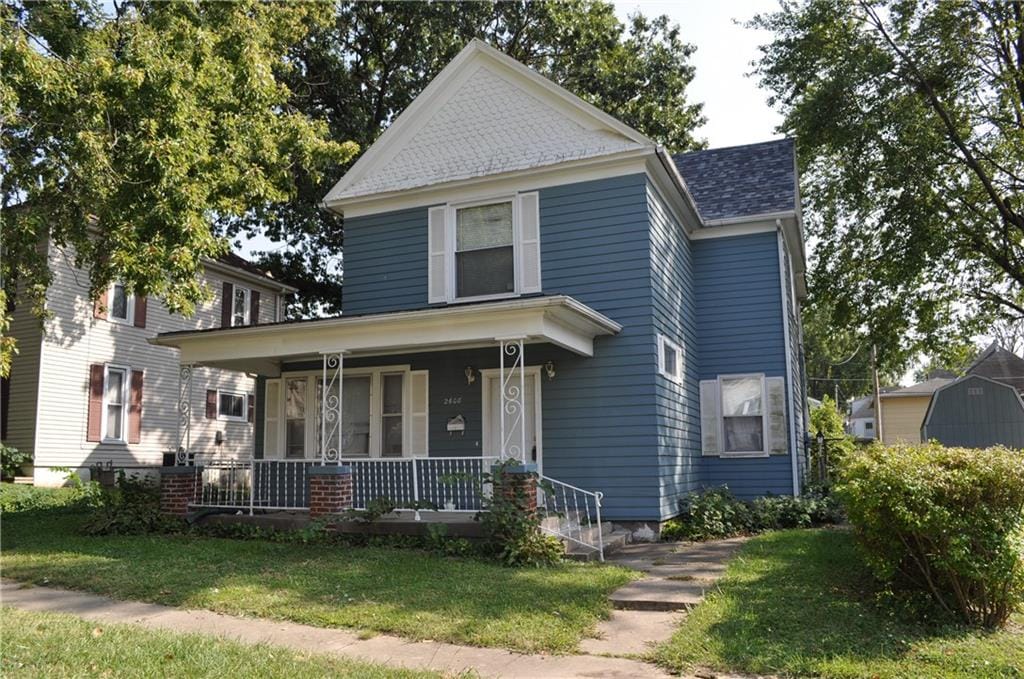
736,108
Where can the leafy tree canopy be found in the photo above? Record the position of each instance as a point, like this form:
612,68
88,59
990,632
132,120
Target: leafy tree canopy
123,137
360,70
910,121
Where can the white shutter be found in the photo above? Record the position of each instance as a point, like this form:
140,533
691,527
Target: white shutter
437,273
529,242
419,436
776,410
272,419
709,417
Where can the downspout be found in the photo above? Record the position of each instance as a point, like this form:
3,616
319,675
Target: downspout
789,359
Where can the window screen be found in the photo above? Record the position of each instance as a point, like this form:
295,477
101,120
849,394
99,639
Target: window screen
231,405
119,303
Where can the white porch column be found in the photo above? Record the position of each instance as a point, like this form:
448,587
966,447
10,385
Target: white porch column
330,408
184,442
513,399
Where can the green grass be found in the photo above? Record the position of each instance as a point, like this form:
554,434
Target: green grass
57,645
799,603
406,592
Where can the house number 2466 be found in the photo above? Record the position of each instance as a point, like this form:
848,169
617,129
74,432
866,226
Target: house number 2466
451,400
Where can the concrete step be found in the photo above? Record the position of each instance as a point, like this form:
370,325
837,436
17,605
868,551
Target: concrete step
659,594
613,541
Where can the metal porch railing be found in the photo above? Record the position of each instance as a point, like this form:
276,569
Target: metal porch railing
571,514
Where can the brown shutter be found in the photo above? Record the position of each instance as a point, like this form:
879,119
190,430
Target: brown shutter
250,414
140,312
225,308
95,422
211,404
99,306
135,408
254,307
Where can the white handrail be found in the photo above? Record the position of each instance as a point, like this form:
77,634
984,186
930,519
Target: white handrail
563,505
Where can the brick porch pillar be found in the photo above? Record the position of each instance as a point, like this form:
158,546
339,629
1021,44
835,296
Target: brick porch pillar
330,489
519,483
179,486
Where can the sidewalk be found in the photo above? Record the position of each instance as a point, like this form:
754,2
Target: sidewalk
388,650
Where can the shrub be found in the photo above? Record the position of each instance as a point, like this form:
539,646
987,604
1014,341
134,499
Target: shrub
11,461
18,498
717,513
130,508
948,522
512,530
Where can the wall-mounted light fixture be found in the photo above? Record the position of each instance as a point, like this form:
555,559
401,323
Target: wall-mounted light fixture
470,374
549,370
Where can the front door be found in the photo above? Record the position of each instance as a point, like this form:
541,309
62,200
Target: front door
531,419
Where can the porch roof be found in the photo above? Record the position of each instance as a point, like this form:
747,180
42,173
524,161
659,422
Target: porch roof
559,320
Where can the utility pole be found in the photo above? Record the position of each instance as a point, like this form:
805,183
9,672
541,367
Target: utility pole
878,401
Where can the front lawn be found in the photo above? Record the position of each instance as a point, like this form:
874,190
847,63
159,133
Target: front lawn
799,603
411,593
53,645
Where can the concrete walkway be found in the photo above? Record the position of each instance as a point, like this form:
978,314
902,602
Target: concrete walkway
648,611
383,649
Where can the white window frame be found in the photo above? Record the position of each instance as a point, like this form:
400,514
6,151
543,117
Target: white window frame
764,417
245,406
247,313
105,434
451,238
376,406
665,343
129,306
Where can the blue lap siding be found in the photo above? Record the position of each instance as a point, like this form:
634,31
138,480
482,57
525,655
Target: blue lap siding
739,330
610,422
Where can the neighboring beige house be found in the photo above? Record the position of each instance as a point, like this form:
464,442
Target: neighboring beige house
903,410
88,388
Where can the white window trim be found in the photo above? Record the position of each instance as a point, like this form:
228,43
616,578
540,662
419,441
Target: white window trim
764,417
248,305
245,406
664,342
125,394
376,406
129,305
451,273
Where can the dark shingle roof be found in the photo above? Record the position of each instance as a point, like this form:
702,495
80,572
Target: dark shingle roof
741,181
1000,365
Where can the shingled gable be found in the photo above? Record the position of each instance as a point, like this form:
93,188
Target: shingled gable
484,114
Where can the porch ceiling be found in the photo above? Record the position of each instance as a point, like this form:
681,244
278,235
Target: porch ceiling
559,320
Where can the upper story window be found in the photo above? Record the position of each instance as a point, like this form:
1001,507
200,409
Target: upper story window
240,306
120,304
484,250
743,413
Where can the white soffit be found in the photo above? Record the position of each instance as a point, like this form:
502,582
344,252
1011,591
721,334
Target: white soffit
484,114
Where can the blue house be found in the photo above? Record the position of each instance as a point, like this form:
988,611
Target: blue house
527,277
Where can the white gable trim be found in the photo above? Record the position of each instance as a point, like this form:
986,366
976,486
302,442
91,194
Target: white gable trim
474,56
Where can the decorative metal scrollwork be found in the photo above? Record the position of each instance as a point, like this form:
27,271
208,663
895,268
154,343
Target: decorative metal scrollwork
184,442
513,394
330,409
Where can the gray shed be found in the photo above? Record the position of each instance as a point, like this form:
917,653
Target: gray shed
975,412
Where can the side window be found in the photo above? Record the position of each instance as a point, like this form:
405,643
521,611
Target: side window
115,398
120,304
231,406
670,359
743,414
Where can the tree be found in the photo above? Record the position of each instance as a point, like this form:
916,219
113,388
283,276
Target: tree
361,70
909,116
124,136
